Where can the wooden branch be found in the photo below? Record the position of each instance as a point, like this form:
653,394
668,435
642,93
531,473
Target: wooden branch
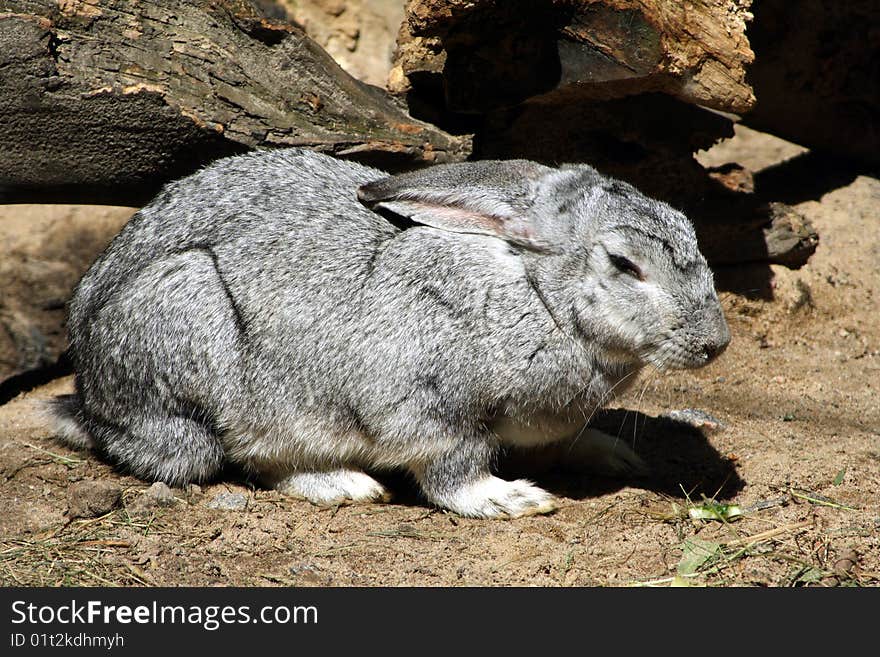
746,232
491,54
104,102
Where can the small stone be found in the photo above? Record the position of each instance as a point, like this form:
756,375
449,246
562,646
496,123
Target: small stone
306,573
193,493
229,502
90,498
161,494
157,495
697,419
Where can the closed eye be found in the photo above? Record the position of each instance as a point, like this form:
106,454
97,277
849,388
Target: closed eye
626,266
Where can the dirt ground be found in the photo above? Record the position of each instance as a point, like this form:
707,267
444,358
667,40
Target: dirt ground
797,393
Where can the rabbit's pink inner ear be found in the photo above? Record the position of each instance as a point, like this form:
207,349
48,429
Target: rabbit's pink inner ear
458,219
447,217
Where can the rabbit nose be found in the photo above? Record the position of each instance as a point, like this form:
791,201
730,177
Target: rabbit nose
716,346
712,351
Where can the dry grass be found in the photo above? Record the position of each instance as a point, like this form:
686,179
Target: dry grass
77,553
798,553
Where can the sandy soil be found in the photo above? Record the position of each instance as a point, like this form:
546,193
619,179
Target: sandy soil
800,455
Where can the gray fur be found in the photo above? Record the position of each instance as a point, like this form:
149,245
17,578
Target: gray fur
259,313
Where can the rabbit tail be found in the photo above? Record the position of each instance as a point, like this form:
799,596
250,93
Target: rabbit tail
66,414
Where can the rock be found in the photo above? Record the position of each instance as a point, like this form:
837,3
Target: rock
91,498
160,494
229,502
156,496
697,419
789,236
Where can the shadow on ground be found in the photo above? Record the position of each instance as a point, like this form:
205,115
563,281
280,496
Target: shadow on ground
680,459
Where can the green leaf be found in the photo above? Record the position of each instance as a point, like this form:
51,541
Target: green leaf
810,576
696,554
839,478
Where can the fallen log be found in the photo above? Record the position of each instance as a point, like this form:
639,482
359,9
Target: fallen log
104,102
484,55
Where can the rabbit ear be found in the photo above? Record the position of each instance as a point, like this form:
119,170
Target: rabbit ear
486,198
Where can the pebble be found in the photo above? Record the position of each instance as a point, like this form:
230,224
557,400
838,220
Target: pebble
157,495
161,494
229,502
697,419
306,573
193,493
91,498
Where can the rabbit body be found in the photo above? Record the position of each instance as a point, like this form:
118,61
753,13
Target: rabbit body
266,313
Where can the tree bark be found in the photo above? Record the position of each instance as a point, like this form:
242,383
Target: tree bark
491,54
102,102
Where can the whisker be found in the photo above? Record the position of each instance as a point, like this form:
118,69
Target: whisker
648,380
597,406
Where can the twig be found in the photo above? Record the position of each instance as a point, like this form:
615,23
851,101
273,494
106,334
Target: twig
760,505
65,460
770,533
816,498
104,543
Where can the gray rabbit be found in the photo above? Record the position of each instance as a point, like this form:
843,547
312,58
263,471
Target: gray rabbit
307,319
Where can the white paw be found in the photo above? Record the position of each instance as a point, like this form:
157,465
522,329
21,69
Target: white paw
333,487
491,497
603,454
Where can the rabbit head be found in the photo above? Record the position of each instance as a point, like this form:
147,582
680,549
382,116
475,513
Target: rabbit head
618,271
